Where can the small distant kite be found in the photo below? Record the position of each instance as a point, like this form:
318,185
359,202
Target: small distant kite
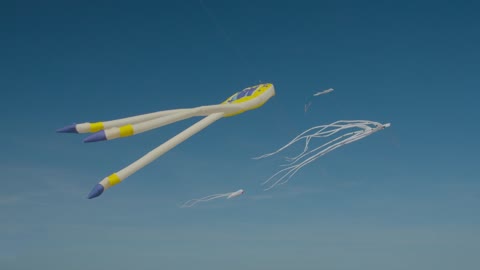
309,100
245,100
228,195
323,92
364,129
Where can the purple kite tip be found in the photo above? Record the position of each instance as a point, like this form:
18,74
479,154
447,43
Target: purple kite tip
96,137
68,129
96,191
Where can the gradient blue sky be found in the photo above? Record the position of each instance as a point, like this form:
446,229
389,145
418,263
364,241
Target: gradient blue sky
404,198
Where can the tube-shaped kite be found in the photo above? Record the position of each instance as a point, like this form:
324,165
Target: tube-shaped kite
245,100
323,92
309,100
228,195
362,129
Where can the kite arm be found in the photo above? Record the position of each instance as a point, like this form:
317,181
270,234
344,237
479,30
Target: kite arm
129,130
97,126
121,175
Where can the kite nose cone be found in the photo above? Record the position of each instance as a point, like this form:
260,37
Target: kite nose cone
96,137
68,129
96,191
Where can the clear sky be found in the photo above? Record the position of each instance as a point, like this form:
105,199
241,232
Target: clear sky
407,197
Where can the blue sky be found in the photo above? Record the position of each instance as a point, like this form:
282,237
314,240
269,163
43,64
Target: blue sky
404,198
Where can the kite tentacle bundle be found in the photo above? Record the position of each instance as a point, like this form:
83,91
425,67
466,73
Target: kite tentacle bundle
340,125
365,127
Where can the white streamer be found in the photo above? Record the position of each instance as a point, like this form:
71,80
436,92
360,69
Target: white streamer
365,127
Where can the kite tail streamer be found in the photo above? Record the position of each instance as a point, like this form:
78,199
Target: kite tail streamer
365,127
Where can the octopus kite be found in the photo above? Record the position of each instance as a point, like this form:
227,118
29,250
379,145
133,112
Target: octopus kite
245,100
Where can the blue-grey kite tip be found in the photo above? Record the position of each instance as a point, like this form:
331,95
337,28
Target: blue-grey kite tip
68,129
96,137
96,191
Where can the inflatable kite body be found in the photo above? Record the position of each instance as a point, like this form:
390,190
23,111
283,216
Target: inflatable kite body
245,100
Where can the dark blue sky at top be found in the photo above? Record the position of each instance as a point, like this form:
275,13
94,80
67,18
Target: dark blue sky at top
404,198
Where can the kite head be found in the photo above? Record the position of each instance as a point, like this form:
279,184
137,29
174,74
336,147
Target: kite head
251,98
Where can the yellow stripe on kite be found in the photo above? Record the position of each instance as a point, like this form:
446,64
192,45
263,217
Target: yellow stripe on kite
94,127
114,179
126,131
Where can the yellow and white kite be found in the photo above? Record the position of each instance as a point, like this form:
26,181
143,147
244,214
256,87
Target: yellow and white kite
245,100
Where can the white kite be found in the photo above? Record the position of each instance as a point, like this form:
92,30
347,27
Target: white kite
323,92
229,195
309,100
362,129
248,99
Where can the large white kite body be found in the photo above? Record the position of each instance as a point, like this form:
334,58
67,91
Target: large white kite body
361,129
245,100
